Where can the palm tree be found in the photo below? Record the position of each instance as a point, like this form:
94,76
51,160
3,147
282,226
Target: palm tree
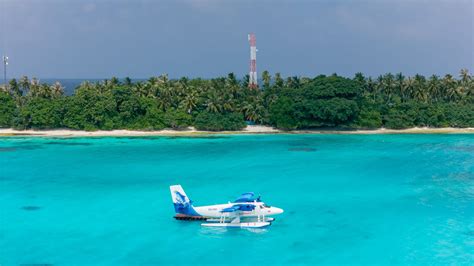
245,81
184,80
252,111
15,88
304,80
278,80
190,101
293,82
40,90
296,81
379,86
231,80
360,78
266,79
57,89
388,85
152,81
34,88
464,75
212,106
451,90
114,81
163,79
228,105
419,92
212,103
433,88
163,104
24,84
399,84
139,89
465,83
370,87
408,88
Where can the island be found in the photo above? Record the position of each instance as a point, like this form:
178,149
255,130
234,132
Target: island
162,106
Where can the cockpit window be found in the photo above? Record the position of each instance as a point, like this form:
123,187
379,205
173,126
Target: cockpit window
266,206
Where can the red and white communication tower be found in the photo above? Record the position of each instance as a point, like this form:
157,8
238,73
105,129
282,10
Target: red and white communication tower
253,61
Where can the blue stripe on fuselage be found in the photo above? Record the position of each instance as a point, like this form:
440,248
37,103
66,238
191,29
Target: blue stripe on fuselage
186,209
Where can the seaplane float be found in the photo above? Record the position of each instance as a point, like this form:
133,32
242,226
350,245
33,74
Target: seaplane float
245,212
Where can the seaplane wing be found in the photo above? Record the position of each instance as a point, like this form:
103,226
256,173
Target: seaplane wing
233,208
246,197
239,207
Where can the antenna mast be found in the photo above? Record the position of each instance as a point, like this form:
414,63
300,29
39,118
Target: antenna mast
5,64
253,61
4,48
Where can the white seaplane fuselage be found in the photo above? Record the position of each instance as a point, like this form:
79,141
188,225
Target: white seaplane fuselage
246,211
216,211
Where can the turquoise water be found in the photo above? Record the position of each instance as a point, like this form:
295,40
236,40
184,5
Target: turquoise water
348,199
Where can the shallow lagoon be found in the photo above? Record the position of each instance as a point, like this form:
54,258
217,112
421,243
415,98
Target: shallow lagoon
348,199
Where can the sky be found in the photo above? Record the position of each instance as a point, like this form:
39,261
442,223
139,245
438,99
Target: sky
208,38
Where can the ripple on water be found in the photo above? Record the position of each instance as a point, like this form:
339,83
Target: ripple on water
334,205
302,149
20,147
298,144
7,149
141,138
198,137
469,233
36,264
69,143
466,148
30,208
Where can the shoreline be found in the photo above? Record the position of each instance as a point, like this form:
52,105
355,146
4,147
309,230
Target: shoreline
251,129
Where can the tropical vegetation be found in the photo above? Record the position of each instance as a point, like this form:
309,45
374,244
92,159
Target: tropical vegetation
226,103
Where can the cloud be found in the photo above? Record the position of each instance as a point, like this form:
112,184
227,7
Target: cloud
89,7
357,21
205,5
297,37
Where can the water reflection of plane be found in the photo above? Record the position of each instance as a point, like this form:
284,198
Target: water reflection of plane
245,212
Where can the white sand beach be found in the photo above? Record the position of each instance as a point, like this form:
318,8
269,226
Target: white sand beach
118,133
413,130
251,129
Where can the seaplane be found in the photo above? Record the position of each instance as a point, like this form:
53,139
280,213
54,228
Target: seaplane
245,212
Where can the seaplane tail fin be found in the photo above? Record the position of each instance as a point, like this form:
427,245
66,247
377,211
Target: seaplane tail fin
182,204
178,195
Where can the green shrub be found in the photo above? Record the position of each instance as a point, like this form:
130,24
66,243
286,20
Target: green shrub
41,113
398,119
281,114
7,109
369,119
177,119
219,121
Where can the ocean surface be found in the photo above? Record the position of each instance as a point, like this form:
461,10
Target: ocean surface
70,85
348,199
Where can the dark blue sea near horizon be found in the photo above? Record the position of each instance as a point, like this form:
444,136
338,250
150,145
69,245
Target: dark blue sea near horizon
71,84
348,199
